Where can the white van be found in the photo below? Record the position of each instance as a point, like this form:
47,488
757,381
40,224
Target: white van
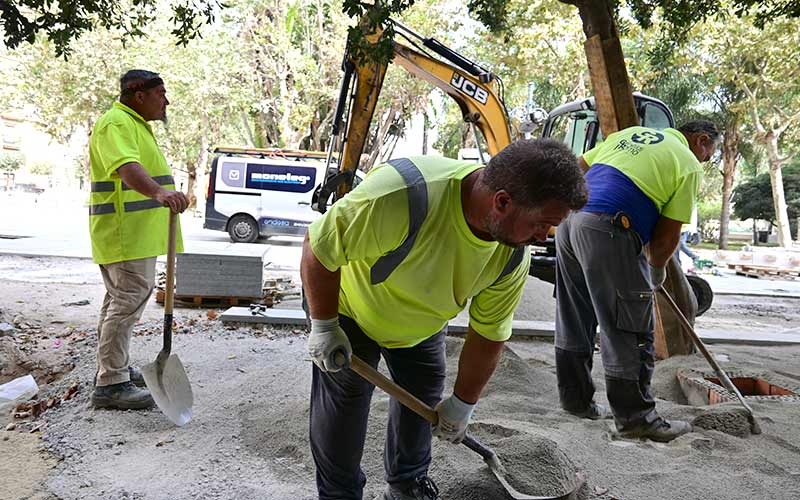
262,192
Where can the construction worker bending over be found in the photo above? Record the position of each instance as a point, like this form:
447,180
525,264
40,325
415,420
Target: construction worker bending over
131,186
611,256
389,265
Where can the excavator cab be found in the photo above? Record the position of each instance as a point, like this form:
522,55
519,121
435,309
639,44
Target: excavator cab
576,122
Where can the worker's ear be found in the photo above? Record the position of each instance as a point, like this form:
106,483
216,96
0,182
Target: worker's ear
502,201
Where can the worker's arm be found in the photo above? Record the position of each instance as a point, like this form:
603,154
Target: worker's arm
479,358
582,163
137,178
328,345
665,239
321,287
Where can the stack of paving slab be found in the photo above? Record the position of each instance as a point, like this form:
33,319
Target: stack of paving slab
207,275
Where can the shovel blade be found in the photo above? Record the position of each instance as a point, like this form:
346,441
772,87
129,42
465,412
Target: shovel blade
170,389
499,472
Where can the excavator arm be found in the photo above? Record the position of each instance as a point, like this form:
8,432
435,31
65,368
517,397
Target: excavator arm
478,92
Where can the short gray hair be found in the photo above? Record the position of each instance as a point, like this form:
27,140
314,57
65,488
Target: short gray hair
137,79
534,171
701,127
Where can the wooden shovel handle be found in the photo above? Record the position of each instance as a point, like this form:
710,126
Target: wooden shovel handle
411,402
169,286
407,399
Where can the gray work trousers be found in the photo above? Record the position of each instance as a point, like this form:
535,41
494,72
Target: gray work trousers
603,278
128,286
340,404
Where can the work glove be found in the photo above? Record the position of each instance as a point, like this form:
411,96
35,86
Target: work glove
454,416
327,339
657,276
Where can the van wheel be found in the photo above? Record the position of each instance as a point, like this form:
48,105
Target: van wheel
243,229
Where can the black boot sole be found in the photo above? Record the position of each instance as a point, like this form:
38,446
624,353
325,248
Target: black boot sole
102,402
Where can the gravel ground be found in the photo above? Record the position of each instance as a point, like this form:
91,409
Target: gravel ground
248,438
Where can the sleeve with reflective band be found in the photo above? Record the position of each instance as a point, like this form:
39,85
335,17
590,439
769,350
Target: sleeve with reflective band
659,162
364,225
445,268
491,311
124,224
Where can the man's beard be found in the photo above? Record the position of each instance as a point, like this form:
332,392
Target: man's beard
495,230
164,120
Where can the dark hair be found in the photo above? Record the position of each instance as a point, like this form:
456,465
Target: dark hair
137,79
700,127
534,171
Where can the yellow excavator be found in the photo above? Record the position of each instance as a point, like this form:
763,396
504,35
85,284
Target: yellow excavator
479,94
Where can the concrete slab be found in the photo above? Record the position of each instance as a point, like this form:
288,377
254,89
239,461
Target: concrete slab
543,329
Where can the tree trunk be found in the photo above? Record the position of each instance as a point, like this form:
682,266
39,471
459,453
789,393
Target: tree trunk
425,126
730,156
778,197
380,137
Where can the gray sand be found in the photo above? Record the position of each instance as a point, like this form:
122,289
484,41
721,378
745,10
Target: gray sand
249,436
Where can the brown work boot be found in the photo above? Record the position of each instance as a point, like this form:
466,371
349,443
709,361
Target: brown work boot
661,430
123,396
421,488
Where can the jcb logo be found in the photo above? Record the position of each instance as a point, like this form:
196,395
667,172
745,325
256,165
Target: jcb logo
469,88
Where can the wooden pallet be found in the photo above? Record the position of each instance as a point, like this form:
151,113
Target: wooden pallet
764,272
206,301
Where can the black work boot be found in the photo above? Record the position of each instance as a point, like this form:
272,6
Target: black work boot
575,385
594,411
135,374
421,488
122,396
661,430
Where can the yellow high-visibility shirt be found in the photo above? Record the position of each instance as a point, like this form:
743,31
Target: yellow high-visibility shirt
447,266
124,224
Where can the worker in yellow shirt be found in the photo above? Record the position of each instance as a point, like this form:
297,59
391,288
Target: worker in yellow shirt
643,185
389,265
132,194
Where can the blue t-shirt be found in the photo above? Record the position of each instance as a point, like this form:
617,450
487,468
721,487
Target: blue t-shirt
611,191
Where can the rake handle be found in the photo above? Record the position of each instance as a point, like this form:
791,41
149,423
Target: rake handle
702,348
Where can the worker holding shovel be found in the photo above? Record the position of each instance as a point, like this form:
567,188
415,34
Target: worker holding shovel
389,265
132,195
611,256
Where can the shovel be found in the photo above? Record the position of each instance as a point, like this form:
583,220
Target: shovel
754,427
165,377
408,400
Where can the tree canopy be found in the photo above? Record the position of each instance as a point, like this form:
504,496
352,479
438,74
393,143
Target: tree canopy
64,22
753,198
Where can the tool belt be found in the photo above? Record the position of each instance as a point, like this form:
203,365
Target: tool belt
621,220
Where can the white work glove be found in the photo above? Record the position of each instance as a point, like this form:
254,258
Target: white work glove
657,276
327,339
454,416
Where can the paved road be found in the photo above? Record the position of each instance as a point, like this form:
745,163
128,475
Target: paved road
55,224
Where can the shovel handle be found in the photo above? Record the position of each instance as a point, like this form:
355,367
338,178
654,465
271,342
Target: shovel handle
169,286
407,399
413,403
